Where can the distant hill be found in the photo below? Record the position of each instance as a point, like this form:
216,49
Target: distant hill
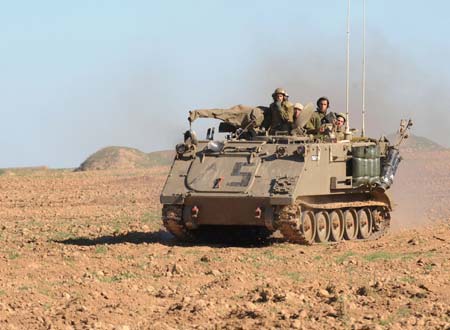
415,142
125,158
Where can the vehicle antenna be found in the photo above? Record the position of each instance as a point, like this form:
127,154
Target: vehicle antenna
363,129
347,128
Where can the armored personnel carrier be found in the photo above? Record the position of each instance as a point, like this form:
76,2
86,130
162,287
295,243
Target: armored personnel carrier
313,189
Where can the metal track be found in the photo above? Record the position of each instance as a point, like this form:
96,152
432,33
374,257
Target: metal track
288,223
288,219
172,220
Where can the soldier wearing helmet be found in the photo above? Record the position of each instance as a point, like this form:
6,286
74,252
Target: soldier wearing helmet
321,117
339,126
298,107
280,114
340,120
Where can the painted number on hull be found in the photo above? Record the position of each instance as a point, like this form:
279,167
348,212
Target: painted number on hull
245,176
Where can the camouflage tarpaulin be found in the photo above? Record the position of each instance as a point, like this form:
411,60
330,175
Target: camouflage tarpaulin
237,116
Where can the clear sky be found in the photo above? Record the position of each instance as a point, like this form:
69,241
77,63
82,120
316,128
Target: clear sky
80,75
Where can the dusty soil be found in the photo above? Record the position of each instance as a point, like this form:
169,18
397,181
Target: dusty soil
86,250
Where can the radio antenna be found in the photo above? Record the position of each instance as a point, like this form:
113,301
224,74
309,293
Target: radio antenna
363,129
347,128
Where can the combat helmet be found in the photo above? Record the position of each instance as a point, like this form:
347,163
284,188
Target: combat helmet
298,106
341,114
279,91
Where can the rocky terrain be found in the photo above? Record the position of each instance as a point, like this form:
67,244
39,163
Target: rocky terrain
86,250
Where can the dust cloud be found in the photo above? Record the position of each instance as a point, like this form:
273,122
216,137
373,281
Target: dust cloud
396,86
421,189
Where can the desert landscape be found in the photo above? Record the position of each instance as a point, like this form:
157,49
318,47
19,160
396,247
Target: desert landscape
86,249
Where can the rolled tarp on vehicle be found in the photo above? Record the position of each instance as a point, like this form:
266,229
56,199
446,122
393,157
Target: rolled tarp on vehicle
239,116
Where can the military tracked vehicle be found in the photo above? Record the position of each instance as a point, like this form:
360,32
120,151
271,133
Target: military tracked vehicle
313,189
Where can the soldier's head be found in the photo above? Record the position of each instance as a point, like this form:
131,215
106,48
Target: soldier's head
323,104
298,107
340,119
280,95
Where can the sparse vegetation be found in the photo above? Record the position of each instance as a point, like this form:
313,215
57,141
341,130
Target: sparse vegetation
385,255
46,291
270,254
69,260
428,267
345,256
294,276
116,278
101,249
407,279
403,312
387,321
13,255
124,257
62,235
380,255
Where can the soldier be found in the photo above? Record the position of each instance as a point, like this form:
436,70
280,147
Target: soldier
298,107
321,117
340,120
339,126
280,115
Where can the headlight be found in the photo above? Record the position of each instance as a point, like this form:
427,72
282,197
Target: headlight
180,148
215,146
301,150
281,151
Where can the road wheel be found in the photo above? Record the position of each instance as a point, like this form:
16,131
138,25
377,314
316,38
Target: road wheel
364,223
322,226
350,224
337,225
307,226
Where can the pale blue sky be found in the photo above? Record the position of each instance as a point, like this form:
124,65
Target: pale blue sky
80,75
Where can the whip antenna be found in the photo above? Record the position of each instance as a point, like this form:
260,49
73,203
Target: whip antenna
347,128
363,129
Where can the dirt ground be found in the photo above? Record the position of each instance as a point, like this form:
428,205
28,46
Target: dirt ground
86,250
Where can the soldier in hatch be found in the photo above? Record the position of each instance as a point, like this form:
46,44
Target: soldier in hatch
339,126
298,107
321,116
280,114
